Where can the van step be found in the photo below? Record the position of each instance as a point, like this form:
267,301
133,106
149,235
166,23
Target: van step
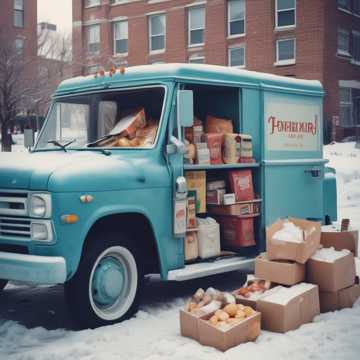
199,270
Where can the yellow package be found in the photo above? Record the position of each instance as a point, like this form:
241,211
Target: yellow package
196,180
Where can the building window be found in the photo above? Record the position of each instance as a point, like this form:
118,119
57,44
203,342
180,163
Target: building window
285,13
157,31
236,17
121,37
237,56
196,26
285,51
90,3
344,4
92,69
196,59
93,38
345,107
19,46
19,13
356,8
343,42
356,47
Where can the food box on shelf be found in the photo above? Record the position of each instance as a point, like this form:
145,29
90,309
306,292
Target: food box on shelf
241,184
191,246
287,308
331,270
249,207
331,236
284,272
337,300
215,197
292,239
236,231
196,180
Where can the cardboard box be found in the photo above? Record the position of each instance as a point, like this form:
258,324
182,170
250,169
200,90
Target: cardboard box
340,239
215,197
331,276
283,272
337,300
242,208
299,252
247,330
281,315
189,324
196,180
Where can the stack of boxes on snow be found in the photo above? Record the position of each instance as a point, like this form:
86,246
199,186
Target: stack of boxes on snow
306,269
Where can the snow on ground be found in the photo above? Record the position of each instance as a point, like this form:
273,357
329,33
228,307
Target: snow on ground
34,322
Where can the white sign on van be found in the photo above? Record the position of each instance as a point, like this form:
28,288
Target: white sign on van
292,123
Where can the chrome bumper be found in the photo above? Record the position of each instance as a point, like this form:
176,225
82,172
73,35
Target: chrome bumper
32,268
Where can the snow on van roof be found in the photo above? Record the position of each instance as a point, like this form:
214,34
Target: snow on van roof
214,73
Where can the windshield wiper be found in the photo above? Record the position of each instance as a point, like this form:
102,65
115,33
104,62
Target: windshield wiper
106,137
62,146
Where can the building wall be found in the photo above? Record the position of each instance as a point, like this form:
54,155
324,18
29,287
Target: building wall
315,33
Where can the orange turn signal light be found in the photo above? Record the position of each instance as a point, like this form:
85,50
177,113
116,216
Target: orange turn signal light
70,219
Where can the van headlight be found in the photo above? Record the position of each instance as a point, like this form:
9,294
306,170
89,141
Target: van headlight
41,231
40,205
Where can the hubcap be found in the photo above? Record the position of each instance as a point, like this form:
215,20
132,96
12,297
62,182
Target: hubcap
108,281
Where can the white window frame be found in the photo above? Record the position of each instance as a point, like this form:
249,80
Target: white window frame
19,10
277,27
340,51
88,38
287,61
347,104
347,10
115,39
158,51
355,34
229,22
92,3
188,23
19,50
237,47
196,57
95,67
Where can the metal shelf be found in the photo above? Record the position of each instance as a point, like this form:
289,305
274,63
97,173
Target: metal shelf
220,166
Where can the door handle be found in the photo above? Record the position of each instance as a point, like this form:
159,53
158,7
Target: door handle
314,172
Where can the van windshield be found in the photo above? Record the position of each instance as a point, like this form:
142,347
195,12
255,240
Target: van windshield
128,118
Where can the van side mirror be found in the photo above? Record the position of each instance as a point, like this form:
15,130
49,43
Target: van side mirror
29,138
185,108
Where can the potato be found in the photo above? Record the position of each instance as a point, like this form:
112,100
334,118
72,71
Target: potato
213,320
231,309
192,306
248,311
240,314
222,315
240,306
199,295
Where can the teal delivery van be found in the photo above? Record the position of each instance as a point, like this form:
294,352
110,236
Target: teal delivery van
96,208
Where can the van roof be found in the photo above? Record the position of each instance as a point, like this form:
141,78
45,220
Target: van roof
147,74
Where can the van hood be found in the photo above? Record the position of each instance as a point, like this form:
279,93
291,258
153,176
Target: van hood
60,171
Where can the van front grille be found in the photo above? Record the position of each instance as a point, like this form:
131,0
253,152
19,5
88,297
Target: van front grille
15,227
13,203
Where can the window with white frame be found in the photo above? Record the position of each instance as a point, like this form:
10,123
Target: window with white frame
236,17
196,26
356,7
343,42
196,59
355,53
344,4
120,37
19,46
19,13
285,51
90,3
157,32
237,56
345,106
93,38
285,13
92,69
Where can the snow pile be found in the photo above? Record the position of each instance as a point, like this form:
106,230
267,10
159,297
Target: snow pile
329,254
289,233
282,295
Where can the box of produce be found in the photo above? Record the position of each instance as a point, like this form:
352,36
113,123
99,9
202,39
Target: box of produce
331,270
250,207
337,300
292,239
284,272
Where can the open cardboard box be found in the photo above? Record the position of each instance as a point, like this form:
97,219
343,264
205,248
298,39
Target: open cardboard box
247,330
340,240
331,276
189,324
283,272
337,300
280,314
286,250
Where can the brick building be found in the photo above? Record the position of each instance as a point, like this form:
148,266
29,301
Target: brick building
311,39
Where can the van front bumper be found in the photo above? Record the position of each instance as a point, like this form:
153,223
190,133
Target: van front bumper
32,268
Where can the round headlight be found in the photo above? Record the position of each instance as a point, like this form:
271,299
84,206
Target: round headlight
37,206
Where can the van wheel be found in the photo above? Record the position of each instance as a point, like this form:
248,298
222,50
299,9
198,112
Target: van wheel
3,283
106,286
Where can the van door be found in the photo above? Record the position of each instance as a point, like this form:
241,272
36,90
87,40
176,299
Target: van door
293,165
